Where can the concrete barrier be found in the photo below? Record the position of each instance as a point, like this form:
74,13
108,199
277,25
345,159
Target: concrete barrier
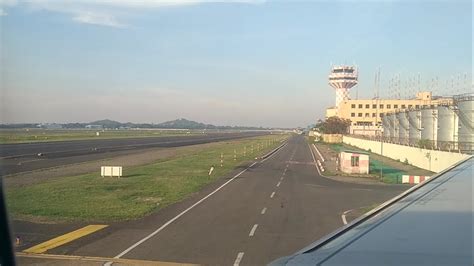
332,138
414,179
432,160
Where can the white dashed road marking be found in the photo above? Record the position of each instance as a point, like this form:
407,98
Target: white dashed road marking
264,210
252,232
278,184
273,194
238,259
180,214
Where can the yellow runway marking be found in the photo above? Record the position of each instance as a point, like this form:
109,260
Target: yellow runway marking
66,238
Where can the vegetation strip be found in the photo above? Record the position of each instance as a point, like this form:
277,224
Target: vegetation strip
141,191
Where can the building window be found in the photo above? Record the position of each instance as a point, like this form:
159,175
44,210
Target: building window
432,106
395,106
403,106
381,106
374,106
389,106
374,115
366,114
417,106
359,114
360,105
353,106
381,115
410,106
367,106
353,114
354,161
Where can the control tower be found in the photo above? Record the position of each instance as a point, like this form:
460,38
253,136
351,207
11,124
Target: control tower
342,79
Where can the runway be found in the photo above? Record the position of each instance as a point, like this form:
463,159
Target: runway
17,158
262,211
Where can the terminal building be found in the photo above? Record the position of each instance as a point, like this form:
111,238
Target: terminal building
366,114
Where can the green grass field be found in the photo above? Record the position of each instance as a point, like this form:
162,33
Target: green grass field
389,174
42,135
141,191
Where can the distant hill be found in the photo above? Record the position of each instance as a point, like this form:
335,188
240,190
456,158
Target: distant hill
184,124
107,123
181,123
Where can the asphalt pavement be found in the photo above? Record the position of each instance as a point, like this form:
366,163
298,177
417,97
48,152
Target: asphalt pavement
24,157
262,212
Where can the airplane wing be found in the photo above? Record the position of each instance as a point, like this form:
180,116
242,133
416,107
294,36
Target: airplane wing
430,224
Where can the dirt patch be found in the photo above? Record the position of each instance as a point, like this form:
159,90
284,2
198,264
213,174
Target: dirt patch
125,159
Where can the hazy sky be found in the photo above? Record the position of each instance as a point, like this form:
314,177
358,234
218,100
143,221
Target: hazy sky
227,63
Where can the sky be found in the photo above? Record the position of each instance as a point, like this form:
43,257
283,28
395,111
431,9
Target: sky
240,62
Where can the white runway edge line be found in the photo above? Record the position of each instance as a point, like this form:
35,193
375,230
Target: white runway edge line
179,215
320,155
314,159
273,194
254,228
264,210
275,151
238,259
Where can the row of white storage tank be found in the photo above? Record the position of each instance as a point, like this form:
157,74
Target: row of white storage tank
443,127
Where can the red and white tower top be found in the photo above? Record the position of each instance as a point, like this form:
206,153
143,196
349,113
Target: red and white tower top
342,79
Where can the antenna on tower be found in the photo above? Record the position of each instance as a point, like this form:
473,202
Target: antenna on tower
390,86
378,83
419,82
375,85
399,85
466,83
459,84
447,86
452,83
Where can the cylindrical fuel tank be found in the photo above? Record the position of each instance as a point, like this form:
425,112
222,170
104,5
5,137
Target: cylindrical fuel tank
447,127
394,135
465,105
404,128
429,125
414,134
